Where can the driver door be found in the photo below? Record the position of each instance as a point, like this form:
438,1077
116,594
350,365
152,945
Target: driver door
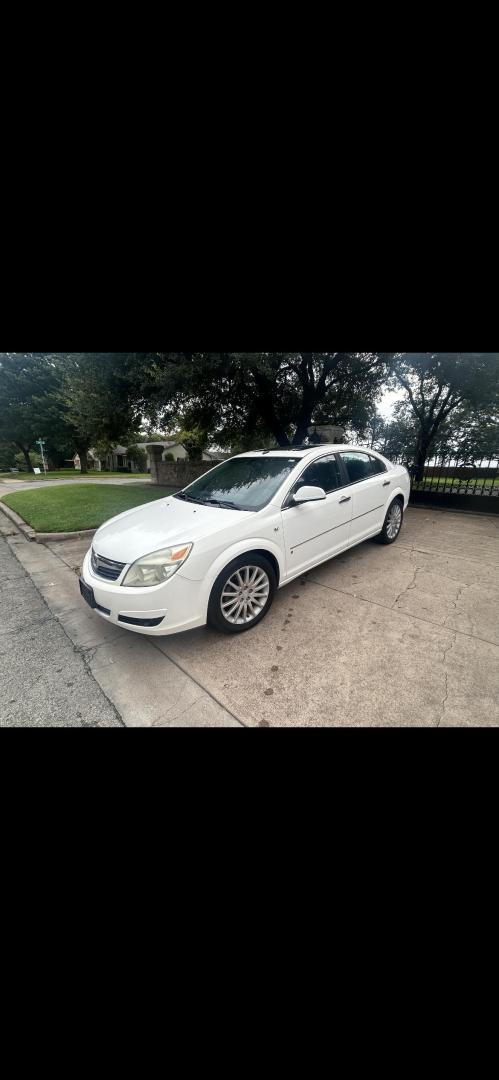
316,531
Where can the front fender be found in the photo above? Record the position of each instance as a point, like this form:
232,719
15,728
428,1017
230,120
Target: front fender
241,547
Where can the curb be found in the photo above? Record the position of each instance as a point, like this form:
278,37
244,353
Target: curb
84,534
41,537
28,532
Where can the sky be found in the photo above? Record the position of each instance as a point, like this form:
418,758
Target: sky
388,400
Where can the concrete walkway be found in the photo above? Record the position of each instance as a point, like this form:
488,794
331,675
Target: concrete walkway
8,487
406,635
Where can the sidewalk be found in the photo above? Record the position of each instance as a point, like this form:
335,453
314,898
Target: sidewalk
147,689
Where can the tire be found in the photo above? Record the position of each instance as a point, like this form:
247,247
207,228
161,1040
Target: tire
228,615
392,524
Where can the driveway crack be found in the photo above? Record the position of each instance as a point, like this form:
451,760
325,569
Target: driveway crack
446,677
408,588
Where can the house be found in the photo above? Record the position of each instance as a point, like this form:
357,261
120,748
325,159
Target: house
169,447
118,460
115,460
216,456
179,453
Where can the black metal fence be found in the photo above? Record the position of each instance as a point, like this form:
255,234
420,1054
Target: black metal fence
446,481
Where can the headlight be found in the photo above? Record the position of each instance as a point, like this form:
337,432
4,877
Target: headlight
158,567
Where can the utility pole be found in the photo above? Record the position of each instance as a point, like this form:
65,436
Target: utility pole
41,444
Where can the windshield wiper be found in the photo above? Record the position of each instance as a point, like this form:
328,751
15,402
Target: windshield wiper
182,495
225,504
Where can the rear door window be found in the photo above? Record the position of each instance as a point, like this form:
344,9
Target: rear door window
360,466
378,466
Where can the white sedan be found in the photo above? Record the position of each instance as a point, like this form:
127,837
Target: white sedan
218,551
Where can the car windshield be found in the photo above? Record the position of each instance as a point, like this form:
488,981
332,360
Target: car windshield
241,483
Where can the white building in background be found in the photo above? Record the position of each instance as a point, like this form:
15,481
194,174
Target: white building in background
117,459
327,433
179,453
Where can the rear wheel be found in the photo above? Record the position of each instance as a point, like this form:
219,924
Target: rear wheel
242,594
393,523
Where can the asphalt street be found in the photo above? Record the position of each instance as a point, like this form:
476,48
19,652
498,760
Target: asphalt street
45,680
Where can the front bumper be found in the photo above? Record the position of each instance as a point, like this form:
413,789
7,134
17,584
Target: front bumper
178,603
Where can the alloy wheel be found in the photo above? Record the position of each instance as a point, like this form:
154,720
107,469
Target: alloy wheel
245,595
394,521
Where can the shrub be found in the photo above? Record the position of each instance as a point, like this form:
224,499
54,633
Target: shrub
139,456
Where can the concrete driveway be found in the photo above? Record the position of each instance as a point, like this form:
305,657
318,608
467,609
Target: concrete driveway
406,635
401,635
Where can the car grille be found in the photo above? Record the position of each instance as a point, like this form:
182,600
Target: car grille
106,568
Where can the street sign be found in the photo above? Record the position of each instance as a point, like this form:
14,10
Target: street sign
41,444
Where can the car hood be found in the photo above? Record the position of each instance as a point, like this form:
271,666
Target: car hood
156,525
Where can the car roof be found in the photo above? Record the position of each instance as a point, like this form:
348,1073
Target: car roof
318,451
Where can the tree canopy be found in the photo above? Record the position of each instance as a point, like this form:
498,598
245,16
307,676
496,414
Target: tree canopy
27,383
246,396
94,399
439,385
72,400
239,401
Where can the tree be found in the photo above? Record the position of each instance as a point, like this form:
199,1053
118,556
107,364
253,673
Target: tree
7,455
195,441
469,436
27,381
399,437
95,400
237,396
375,429
35,458
138,455
437,385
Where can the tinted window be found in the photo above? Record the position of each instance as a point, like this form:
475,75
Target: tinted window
361,466
324,473
378,466
248,483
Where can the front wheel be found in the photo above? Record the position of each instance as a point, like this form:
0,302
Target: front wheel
242,594
393,523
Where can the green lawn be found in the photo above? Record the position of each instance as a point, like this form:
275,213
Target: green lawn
66,474
456,481
79,506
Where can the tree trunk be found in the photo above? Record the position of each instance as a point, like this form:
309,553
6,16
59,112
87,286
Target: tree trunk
27,458
265,405
304,419
195,452
83,456
420,460
300,434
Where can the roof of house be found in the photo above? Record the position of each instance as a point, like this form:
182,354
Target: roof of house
159,442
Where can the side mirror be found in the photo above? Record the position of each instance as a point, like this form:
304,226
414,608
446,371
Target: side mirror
309,494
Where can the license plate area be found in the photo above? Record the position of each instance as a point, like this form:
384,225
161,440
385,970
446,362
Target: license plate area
88,593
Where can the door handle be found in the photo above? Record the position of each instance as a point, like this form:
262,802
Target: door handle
386,483
346,498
